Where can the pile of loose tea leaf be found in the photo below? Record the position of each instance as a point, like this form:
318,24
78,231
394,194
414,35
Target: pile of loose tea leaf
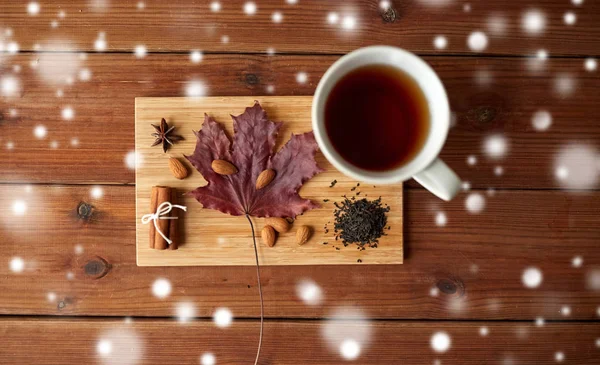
360,221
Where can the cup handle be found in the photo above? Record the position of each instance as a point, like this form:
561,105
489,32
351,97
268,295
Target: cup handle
439,179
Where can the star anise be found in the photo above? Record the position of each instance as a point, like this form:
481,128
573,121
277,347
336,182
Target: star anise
163,135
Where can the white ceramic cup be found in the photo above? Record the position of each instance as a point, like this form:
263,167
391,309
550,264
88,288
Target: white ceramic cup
425,167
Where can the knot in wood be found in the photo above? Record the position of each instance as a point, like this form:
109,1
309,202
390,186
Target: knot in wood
84,211
451,287
482,114
97,267
252,79
389,15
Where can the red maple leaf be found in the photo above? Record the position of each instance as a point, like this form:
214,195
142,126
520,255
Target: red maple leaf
252,152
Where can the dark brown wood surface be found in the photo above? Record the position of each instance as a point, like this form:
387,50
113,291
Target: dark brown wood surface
103,109
180,25
469,258
67,341
79,284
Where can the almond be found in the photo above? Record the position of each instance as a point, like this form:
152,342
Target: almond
268,236
280,224
177,168
223,167
265,179
302,235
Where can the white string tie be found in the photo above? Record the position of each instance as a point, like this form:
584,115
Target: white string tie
162,210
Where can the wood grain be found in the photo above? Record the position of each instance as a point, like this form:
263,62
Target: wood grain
178,25
213,238
75,341
469,269
103,121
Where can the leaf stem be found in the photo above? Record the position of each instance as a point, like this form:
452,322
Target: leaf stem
262,308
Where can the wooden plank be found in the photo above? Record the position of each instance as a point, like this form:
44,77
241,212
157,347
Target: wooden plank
181,26
103,107
213,238
73,341
471,268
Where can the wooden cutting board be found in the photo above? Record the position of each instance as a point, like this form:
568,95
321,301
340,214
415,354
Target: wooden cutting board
211,238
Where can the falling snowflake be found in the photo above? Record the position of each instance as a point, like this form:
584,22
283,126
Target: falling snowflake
67,113
291,2
12,47
96,192
349,22
10,145
215,6
133,160
472,160
16,265
54,24
541,120
384,5
141,5
542,54
467,8
40,131
333,18
196,56
350,349
532,277
208,359
195,88
484,331
78,249
477,41
51,297
161,288
222,317
100,42
496,24
85,74
270,51
498,170
54,144
539,322
250,8
434,292
577,261
565,311
475,203
495,146
564,84
225,39
440,42
592,280
346,331
577,2
440,342
590,64
466,186
185,311
441,219
277,17
120,346
534,21
576,166
309,292
74,141
10,86
301,77
570,18
33,8
270,89
140,51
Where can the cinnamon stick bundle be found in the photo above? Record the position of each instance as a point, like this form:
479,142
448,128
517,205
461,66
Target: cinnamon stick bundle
168,227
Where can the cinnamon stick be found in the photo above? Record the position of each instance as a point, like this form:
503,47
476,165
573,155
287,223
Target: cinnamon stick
173,223
153,206
164,195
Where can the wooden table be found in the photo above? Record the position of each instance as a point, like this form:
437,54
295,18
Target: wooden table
72,293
